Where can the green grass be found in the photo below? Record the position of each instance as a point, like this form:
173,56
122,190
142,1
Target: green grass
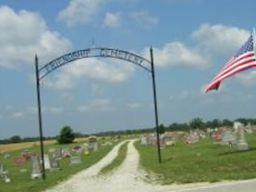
122,152
22,182
200,162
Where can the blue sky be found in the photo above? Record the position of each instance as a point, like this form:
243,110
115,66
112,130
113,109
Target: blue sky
192,39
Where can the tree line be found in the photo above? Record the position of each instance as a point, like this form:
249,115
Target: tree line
196,123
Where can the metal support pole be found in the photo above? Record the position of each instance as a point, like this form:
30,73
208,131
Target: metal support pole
39,116
155,104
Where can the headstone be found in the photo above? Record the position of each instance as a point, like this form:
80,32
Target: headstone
237,125
74,160
92,144
193,137
36,168
4,174
162,140
86,152
242,145
66,153
201,134
47,164
143,140
55,165
57,153
217,136
228,138
78,149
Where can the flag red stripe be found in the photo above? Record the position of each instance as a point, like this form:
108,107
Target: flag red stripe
235,65
231,61
215,84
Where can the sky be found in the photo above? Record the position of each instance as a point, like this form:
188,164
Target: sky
191,40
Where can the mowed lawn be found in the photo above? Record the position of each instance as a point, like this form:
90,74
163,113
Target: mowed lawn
21,182
200,162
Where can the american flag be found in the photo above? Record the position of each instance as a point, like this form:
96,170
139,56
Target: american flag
244,59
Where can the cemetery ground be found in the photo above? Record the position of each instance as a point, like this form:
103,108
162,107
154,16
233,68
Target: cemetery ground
129,169
199,162
21,180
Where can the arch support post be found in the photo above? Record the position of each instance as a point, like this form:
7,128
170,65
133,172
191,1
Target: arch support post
155,105
40,117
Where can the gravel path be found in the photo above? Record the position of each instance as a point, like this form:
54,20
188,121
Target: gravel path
128,178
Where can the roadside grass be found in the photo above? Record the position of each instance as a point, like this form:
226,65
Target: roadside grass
22,182
200,162
122,152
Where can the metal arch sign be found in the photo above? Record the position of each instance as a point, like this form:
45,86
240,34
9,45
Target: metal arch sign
87,53
94,52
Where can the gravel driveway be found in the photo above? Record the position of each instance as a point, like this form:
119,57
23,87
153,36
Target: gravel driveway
129,178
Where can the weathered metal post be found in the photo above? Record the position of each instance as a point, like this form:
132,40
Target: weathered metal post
39,116
155,104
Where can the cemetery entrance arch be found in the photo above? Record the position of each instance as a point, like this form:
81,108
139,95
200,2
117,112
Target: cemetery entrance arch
42,72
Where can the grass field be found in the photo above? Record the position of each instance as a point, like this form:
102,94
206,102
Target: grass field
200,162
21,182
16,146
117,161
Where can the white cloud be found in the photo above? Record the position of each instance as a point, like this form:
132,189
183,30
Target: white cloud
80,11
23,34
210,41
112,20
134,105
144,19
220,39
31,111
52,110
94,69
177,54
96,105
17,115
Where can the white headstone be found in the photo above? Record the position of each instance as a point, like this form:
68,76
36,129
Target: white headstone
228,138
237,125
36,168
242,145
47,164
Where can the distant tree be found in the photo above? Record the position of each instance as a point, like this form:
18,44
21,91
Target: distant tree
216,123
161,129
242,120
66,135
227,122
15,139
197,123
